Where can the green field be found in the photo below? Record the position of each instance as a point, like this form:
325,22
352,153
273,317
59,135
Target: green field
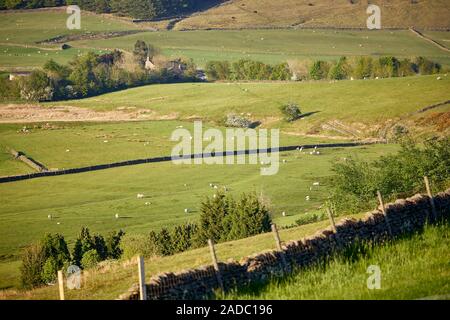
415,267
92,199
364,105
274,46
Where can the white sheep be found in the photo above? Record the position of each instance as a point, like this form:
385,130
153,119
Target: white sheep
140,196
316,184
307,198
117,216
49,216
186,210
283,214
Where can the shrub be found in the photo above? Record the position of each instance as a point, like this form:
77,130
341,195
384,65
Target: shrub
113,248
182,237
218,70
339,70
133,245
213,212
356,182
163,243
36,87
49,270
425,66
90,259
362,67
386,67
33,259
319,70
236,121
308,218
248,217
291,112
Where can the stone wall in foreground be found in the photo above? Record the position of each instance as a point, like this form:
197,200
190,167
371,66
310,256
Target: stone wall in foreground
404,216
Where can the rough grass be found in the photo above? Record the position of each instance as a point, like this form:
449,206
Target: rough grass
342,13
414,267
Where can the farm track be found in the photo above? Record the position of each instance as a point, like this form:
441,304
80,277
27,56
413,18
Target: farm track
190,156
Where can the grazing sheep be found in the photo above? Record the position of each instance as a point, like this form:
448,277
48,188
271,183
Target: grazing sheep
49,216
284,160
316,184
283,214
186,210
148,203
58,223
307,198
140,196
211,185
117,216
216,187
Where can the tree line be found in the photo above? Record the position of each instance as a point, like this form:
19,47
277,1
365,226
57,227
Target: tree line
364,67
93,74
222,218
138,9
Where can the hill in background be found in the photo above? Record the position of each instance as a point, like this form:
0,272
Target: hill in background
423,14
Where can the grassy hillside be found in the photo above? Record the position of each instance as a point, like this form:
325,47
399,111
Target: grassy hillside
364,106
279,45
71,145
322,13
92,199
110,282
22,30
415,267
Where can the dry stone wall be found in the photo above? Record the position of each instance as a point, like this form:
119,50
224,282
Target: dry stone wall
403,216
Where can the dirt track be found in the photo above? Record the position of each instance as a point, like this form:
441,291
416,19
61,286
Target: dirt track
26,113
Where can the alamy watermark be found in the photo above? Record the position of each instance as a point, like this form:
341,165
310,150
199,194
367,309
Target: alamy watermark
73,277
74,20
374,20
374,280
238,146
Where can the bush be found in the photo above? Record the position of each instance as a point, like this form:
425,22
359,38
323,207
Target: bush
362,67
135,244
36,87
49,270
308,218
218,70
291,112
319,70
339,70
356,182
248,217
33,259
90,259
236,121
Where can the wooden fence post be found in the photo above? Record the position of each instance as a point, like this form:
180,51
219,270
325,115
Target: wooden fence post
276,235
61,285
142,286
215,263
330,216
430,195
380,199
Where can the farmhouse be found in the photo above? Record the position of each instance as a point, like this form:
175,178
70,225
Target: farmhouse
15,75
